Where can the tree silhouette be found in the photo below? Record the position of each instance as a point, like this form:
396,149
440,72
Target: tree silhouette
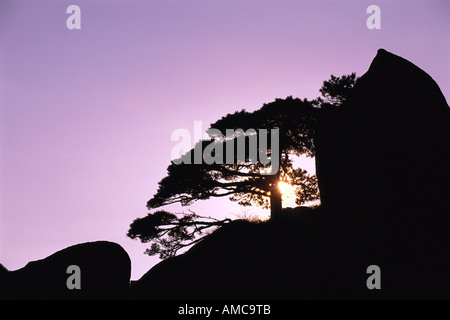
243,181
246,182
170,233
336,90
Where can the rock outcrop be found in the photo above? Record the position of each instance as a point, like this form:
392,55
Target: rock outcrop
387,148
288,258
384,156
105,270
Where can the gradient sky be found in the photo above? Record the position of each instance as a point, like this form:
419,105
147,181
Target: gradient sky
86,115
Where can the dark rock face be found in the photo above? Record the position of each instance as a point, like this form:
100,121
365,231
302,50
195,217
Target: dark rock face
298,256
104,273
3,270
388,146
243,260
384,156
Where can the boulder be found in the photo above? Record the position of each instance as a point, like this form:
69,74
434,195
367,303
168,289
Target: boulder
388,145
298,256
383,166
105,270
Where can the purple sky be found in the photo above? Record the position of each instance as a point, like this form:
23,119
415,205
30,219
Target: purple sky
86,115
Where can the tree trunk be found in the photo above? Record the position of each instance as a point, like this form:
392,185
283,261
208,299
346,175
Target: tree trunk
275,202
275,192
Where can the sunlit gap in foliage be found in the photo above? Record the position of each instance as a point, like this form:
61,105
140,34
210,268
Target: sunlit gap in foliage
288,191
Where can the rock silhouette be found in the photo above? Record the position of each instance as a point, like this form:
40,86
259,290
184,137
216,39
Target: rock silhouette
395,127
244,260
392,140
105,273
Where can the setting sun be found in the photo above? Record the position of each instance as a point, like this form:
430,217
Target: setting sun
286,189
288,194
